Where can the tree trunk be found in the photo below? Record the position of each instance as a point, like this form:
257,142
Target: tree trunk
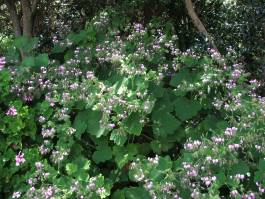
34,7
27,18
28,10
264,32
198,24
14,17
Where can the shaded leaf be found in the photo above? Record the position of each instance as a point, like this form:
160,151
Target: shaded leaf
102,154
42,60
133,125
186,109
118,137
164,123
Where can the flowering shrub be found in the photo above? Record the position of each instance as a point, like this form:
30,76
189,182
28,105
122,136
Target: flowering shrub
128,115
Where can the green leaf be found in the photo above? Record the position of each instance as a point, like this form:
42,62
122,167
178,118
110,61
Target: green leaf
221,179
102,154
69,55
63,181
93,123
133,125
58,48
25,43
156,146
137,83
119,194
164,123
162,145
118,137
156,90
124,154
239,168
82,163
80,124
131,193
262,165
136,193
209,123
101,182
186,109
20,42
165,103
42,60
164,163
182,76
260,173
187,157
78,37
71,168
28,62
156,175
89,121
91,34
190,61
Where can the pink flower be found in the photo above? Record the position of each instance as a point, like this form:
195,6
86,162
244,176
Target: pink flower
2,63
16,195
90,75
20,159
230,131
12,111
111,126
38,165
234,193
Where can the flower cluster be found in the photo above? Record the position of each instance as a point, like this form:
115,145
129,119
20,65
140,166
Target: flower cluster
2,63
20,158
12,111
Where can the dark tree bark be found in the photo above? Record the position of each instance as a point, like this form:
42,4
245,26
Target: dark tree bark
198,23
27,18
11,5
22,25
34,7
23,21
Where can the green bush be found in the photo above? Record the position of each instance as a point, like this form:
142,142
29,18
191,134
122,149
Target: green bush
128,115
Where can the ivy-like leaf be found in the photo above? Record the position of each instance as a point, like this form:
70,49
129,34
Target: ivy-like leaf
28,62
164,163
102,154
80,124
131,193
118,137
89,120
260,173
136,193
156,89
182,76
133,125
124,155
186,109
239,168
164,123
41,60
71,168
190,61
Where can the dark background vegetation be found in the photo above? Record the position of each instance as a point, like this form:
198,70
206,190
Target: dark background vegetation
241,26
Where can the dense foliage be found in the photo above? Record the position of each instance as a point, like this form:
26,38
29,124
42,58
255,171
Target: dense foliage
122,109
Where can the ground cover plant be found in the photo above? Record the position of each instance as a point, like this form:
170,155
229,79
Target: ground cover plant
118,110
